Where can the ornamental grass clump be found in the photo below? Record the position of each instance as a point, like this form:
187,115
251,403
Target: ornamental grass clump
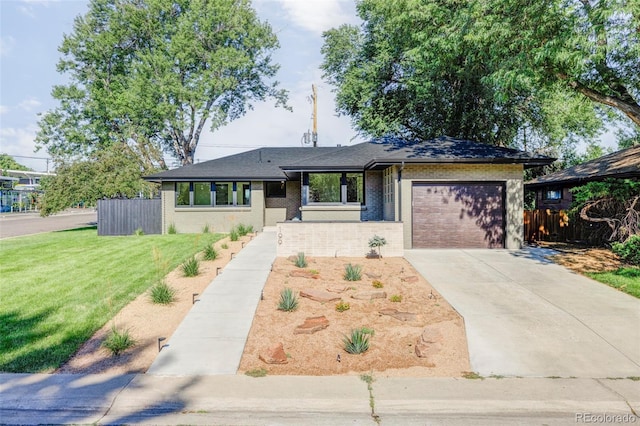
191,267
242,229
358,341
172,229
210,252
301,261
118,341
162,293
233,235
352,272
288,300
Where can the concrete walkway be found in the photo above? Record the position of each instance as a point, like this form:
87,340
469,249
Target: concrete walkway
211,338
526,316
295,400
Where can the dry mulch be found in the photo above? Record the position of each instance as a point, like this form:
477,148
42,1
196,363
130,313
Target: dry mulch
583,259
392,351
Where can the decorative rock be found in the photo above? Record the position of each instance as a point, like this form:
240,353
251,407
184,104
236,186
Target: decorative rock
402,316
302,273
429,343
373,276
318,295
274,355
370,295
337,289
311,325
411,279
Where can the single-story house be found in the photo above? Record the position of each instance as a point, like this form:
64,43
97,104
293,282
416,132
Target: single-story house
553,190
443,192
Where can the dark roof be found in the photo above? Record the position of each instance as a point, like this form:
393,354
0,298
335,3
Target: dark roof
258,164
272,163
620,164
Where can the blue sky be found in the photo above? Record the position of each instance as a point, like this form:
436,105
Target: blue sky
32,30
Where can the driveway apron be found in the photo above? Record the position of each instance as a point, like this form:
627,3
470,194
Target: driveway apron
526,316
211,338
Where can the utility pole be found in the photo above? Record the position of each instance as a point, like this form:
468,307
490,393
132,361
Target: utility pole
314,136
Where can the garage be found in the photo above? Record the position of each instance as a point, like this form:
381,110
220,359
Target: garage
463,215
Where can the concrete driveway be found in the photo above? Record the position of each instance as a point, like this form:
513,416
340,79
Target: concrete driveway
526,316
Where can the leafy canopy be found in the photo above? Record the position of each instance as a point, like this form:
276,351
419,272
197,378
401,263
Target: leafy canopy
151,73
508,72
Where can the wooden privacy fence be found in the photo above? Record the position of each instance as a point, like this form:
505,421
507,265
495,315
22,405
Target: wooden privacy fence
124,217
548,225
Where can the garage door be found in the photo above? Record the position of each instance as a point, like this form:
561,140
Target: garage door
469,215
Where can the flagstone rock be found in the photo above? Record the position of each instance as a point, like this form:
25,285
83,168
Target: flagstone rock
370,295
429,343
319,295
411,279
303,273
274,355
402,316
337,289
311,325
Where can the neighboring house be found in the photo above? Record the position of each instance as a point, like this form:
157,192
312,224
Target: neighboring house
439,193
553,190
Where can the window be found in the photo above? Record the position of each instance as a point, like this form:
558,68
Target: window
355,188
224,193
553,194
202,193
182,193
243,190
324,187
276,189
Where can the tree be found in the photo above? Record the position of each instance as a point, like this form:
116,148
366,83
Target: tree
112,172
149,74
478,70
7,162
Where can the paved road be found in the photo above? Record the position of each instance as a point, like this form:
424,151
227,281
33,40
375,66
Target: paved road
526,316
18,224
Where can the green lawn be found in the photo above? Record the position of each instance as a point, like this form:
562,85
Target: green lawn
624,279
58,288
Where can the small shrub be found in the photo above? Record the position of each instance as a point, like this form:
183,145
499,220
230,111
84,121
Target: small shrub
249,229
172,229
301,261
377,284
205,230
314,272
375,243
288,300
210,252
352,272
342,306
162,293
224,246
396,298
629,251
233,235
118,341
358,341
191,267
139,232
256,372
242,230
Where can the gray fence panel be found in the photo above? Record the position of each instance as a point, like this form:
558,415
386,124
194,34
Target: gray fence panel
124,217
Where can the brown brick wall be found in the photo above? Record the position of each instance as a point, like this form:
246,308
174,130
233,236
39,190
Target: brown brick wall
291,202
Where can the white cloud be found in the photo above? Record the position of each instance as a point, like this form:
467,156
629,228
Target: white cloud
20,142
317,16
29,104
6,45
28,6
4,109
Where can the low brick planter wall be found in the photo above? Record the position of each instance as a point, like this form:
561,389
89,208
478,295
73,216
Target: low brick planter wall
332,239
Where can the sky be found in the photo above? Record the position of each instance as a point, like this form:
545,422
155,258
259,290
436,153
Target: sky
32,30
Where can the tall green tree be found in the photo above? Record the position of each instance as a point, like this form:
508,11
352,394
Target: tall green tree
150,74
481,70
113,172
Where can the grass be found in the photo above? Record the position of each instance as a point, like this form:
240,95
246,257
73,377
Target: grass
256,372
210,252
624,279
162,293
191,267
59,288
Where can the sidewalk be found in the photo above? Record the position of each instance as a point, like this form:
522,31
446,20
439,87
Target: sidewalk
105,400
211,338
